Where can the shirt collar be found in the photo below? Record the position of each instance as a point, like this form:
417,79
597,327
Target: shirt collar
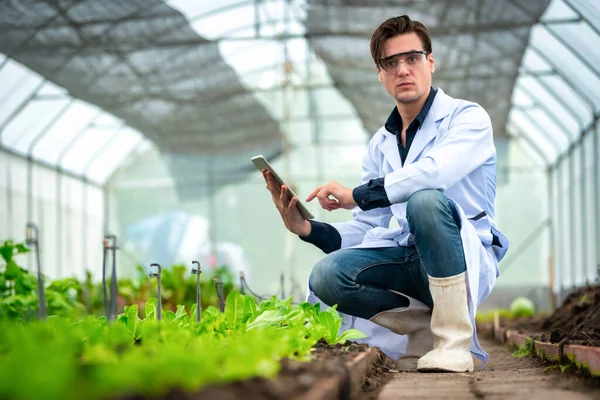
394,122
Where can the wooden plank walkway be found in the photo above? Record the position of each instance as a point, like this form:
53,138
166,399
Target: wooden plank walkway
505,377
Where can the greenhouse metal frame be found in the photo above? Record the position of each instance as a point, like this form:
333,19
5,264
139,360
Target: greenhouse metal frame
551,106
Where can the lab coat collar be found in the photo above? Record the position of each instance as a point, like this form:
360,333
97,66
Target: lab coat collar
442,106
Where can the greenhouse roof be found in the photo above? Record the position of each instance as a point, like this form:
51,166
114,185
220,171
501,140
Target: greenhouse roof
86,84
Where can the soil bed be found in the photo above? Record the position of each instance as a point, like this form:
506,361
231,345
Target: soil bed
294,378
577,320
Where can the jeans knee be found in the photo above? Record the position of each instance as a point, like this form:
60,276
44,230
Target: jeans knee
327,281
315,280
425,207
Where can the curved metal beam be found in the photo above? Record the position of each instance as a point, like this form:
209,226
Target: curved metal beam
547,111
48,127
75,139
92,159
541,130
20,108
531,144
43,164
83,47
580,15
134,148
558,98
593,69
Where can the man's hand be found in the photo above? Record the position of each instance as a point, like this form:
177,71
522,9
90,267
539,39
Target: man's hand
290,214
342,196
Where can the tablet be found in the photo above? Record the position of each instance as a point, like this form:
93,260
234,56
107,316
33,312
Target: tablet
261,163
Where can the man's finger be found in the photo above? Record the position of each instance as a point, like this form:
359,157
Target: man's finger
272,180
314,193
335,206
324,200
268,177
330,205
284,196
293,203
323,194
271,184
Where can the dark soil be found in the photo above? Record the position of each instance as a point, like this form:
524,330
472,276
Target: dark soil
577,320
381,374
294,378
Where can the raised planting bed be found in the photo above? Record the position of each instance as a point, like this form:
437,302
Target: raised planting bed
266,350
577,320
570,335
336,372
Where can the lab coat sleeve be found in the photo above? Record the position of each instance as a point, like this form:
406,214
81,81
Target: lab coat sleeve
353,231
467,144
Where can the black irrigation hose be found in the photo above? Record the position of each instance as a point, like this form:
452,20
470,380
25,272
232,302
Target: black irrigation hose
244,286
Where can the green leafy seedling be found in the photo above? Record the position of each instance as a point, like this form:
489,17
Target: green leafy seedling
523,351
332,322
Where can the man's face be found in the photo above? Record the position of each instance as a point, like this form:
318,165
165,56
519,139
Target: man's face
406,77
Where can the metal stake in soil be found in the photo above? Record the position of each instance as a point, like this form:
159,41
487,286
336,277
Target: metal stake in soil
110,306
32,235
242,286
106,307
157,275
113,277
219,289
197,272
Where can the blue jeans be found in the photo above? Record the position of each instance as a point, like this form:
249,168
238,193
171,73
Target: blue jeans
357,280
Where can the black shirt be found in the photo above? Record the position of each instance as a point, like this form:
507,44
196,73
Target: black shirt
372,194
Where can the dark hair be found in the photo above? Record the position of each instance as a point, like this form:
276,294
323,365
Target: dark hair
397,26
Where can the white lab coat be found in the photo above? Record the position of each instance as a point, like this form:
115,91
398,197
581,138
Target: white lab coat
453,151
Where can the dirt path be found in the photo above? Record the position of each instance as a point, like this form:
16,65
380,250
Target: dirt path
505,377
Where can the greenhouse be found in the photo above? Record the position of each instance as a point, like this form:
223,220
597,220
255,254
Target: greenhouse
139,242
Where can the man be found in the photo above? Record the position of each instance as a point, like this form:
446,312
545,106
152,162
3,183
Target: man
432,167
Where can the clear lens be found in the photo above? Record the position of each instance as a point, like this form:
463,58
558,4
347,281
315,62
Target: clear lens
410,60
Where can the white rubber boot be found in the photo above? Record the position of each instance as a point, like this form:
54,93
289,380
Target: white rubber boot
451,327
413,321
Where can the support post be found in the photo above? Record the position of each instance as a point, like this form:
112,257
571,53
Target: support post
157,275
551,241
33,238
197,271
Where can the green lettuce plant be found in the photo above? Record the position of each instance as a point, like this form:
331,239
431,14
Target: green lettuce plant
18,297
139,355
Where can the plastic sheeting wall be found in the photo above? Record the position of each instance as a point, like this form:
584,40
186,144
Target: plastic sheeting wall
68,212
576,210
551,217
